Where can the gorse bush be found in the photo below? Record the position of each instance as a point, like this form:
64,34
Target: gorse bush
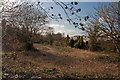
80,43
67,38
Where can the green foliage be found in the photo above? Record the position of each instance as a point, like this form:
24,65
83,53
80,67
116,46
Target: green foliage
79,44
67,38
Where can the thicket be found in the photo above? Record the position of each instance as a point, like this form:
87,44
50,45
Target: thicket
78,43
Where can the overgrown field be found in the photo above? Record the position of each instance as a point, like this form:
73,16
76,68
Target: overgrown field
60,62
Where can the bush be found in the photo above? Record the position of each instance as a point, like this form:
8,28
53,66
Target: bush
79,44
28,47
72,43
51,42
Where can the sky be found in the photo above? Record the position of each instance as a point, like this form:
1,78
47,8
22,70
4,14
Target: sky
63,26
71,0
87,7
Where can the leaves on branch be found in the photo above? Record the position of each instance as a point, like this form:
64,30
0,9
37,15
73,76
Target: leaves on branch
59,14
60,17
75,26
72,3
43,20
81,24
83,28
78,10
73,23
75,3
68,20
38,2
72,13
52,14
86,18
66,7
39,17
51,7
71,8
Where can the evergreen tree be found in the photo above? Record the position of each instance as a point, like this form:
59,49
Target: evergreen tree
72,42
67,39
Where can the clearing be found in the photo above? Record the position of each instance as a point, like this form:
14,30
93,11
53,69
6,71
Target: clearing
60,62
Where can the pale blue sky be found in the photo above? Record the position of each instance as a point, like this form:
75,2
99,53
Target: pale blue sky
87,7
63,26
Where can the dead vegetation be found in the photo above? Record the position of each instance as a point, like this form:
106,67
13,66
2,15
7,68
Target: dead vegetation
49,62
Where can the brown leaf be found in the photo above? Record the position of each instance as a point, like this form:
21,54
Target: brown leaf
72,13
38,2
74,23
76,3
51,7
83,28
81,24
52,14
71,8
59,14
39,17
72,3
79,10
75,26
66,7
68,20
85,19
60,17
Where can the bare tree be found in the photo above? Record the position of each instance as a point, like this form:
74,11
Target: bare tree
28,15
94,32
107,18
29,20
